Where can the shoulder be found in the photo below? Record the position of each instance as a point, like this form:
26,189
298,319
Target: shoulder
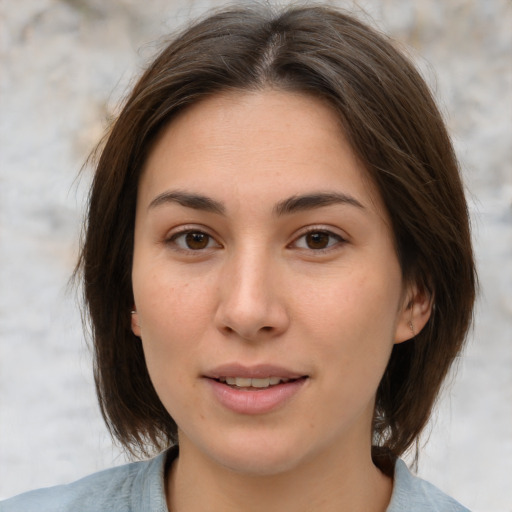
138,486
413,493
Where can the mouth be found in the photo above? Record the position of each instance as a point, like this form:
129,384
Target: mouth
253,384
254,377
252,390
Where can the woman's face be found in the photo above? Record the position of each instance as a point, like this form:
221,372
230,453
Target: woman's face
266,283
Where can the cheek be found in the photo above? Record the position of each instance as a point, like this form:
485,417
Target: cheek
353,320
172,315
351,302
171,338
169,300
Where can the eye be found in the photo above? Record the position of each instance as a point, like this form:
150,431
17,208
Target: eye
318,240
193,240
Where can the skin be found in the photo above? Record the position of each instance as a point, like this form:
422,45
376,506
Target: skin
248,285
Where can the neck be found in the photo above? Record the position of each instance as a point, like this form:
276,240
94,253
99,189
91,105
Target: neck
332,482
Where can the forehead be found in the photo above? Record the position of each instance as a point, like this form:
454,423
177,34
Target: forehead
261,143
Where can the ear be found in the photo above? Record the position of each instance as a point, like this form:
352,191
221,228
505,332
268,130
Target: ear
415,312
135,322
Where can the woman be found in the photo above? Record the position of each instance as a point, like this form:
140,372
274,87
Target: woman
278,271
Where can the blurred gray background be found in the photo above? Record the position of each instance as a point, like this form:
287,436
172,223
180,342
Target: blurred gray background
64,66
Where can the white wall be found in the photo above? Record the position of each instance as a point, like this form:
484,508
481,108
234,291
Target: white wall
64,64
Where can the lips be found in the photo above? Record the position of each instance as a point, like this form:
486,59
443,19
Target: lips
246,383
261,371
255,389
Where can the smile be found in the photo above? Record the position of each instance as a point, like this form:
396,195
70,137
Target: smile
255,395
248,383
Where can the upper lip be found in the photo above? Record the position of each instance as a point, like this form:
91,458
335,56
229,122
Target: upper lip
252,372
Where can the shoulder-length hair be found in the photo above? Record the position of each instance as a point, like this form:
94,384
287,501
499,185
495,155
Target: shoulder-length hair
393,126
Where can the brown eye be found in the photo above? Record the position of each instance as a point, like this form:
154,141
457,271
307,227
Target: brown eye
196,241
193,240
318,240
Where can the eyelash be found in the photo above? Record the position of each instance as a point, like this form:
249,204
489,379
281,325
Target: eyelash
333,242
172,240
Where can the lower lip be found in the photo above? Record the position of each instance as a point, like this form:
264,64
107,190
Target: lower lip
255,401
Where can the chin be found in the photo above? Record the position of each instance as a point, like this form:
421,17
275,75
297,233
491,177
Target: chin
264,458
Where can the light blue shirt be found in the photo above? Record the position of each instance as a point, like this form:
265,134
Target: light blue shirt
139,487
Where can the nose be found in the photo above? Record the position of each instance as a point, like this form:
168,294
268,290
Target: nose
251,299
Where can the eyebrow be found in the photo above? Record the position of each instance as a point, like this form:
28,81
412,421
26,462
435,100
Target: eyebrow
189,200
288,206
311,201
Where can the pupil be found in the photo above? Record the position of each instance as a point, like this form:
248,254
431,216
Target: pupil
317,240
196,240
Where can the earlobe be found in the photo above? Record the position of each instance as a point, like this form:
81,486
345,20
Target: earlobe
416,311
135,323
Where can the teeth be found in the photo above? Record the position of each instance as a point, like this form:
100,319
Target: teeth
242,382
260,383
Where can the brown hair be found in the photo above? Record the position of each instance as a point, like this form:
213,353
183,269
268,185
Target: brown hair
394,127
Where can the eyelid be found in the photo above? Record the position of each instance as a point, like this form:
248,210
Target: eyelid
329,230
183,230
